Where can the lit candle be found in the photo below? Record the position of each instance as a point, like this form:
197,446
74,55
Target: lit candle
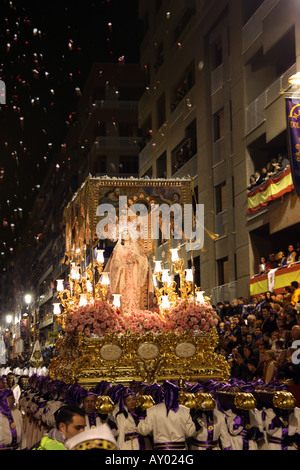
174,255
83,300
189,275
60,285
105,279
100,256
117,300
199,297
56,308
75,272
165,302
165,275
157,267
89,286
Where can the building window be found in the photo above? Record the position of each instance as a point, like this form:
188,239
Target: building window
148,173
218,122
100,164
161,166
222,271
220,194
183,87
186,149
217,52
129,164
161,111
160,58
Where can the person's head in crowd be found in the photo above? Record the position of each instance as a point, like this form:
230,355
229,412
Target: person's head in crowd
249,338
3,383
257,332
269,355
251,319
10,379
294,286
70,420
275,335
295,332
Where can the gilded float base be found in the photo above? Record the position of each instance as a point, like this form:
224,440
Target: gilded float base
149,358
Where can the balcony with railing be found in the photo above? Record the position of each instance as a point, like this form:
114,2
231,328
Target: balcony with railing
254,27
225,292
117,143
255,112
154,144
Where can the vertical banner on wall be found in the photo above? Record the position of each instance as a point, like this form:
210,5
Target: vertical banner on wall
293,129
24,329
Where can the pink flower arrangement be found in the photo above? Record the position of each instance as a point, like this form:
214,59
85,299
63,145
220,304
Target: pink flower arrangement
95,319
100,318
188,315
143,321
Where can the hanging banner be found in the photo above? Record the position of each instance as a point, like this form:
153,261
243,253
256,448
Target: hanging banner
2,351
24,329
293,130
274,188
36,359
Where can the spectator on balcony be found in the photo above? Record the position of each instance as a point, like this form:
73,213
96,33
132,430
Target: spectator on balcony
258,177
271,264
281,260
283,162
264,173
271,170
298,252
252,183
291,258
262,267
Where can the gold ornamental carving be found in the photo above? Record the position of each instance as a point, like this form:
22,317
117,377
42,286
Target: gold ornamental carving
150,357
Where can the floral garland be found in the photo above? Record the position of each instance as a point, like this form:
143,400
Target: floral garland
100,318
94,319
188,315
143,321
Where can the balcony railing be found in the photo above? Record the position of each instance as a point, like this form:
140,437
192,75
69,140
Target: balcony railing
117,143
217,79
255,113
275,282
155,143
225,292
254,27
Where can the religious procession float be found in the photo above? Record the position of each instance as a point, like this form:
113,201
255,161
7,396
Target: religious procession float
130,309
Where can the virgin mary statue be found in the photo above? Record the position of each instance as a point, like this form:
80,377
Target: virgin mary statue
130,275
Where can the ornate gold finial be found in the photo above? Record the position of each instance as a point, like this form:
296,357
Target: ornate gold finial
104,405
284,400
245,401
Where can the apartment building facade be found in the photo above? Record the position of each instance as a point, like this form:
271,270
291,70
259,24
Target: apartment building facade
213,109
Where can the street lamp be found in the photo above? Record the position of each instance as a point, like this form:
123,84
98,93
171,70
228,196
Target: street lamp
295,79
27,299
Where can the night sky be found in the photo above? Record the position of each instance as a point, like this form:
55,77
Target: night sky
47,49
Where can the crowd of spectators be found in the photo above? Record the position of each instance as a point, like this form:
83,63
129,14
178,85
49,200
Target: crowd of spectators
22,360
280,259
273,168
258,336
